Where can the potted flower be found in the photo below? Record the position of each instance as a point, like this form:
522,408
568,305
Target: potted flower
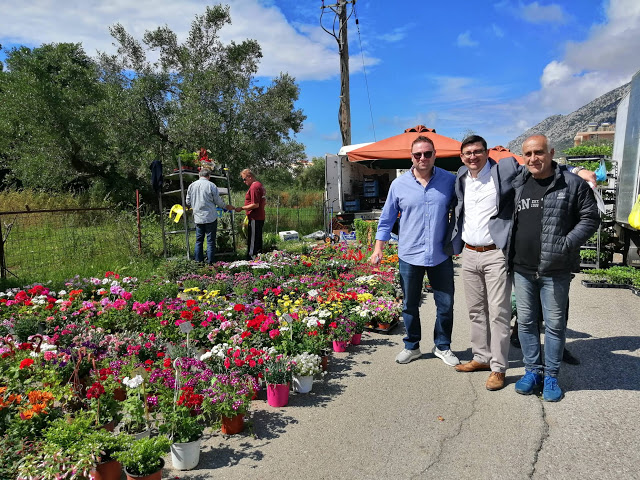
306,365
340,331
136,410
181,422
143,459
108,468
229,398
277,375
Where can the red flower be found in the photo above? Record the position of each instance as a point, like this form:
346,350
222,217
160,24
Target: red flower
238,307
187,315
96,390
191,303
166,363
333,325
27,362
245,334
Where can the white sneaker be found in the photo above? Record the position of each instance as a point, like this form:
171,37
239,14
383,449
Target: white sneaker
447,356
406,356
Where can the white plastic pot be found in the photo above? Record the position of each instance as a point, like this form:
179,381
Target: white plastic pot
185,456
302,384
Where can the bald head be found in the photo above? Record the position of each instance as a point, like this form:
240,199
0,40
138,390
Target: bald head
538,157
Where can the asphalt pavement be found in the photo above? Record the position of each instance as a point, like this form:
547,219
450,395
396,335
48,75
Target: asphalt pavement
370,418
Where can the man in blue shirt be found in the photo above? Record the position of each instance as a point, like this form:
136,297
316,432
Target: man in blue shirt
423,196
203,196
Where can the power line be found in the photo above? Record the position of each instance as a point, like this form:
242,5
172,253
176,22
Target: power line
366,82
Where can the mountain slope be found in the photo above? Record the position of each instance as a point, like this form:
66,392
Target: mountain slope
562,128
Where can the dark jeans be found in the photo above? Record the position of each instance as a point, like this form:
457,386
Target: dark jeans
208,229
254,238
441,279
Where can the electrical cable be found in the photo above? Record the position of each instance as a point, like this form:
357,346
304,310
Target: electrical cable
364,70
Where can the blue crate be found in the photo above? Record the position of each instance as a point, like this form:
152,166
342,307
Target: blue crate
352,205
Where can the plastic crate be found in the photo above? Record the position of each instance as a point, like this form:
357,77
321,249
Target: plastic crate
352,205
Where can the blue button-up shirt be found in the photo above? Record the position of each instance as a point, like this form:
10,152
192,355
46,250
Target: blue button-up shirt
424,216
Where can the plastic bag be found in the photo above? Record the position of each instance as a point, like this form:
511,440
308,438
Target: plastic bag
634,216
601,171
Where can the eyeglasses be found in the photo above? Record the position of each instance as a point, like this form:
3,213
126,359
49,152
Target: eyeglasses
419,155
477,153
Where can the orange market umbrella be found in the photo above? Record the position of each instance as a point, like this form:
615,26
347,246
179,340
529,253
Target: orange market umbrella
499,152
395,152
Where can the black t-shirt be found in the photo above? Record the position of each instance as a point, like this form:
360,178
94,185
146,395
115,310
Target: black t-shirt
528,225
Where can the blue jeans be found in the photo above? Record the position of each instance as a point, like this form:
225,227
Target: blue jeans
552,293
441,279
210,230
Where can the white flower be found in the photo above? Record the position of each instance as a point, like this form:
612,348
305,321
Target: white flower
205,355
105,281
312,293
62,292
134,382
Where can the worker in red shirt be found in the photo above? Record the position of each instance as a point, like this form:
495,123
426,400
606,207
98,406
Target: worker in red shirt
254,202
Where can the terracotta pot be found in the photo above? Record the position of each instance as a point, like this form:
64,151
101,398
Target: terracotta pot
324,363
109,427
383,326
232,425
154,476
111,470
120,394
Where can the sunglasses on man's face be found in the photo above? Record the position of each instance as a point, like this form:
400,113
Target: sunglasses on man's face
419,155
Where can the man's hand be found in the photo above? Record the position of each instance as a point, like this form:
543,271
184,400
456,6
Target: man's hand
376,257
238,209
588,176
229,208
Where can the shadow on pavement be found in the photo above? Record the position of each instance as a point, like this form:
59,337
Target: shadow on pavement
605,364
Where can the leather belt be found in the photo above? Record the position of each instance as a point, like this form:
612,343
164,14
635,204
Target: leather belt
485,248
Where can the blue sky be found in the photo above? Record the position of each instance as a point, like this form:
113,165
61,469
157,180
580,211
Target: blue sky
496,68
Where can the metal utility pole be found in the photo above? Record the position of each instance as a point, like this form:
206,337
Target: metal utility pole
339,32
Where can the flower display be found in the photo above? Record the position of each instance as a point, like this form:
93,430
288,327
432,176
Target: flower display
112,347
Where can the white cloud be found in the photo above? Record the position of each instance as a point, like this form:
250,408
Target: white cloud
497,31
464,40
397,34
536,13
303,50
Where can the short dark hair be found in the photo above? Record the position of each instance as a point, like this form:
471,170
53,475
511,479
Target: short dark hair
423,139
473,139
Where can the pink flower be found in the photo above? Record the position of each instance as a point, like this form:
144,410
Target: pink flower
126,295
274,333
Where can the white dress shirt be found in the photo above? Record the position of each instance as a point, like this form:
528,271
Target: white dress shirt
480,204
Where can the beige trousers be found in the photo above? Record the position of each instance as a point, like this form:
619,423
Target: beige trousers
487,288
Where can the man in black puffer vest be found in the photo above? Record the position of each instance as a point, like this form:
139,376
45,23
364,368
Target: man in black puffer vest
556,213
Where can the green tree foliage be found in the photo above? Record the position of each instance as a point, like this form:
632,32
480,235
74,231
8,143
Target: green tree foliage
52,109
202,93
70,122
311,177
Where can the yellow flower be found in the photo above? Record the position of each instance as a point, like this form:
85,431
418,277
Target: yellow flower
193,289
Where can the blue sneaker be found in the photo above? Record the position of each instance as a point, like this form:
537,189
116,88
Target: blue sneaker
552,391
527,384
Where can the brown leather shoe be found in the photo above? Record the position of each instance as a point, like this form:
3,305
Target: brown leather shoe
472,366
495,381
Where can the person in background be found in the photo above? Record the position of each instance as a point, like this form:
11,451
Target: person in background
254,202
424,197
556,212
203,197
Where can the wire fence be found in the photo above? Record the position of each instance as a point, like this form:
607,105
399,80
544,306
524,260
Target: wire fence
36,242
